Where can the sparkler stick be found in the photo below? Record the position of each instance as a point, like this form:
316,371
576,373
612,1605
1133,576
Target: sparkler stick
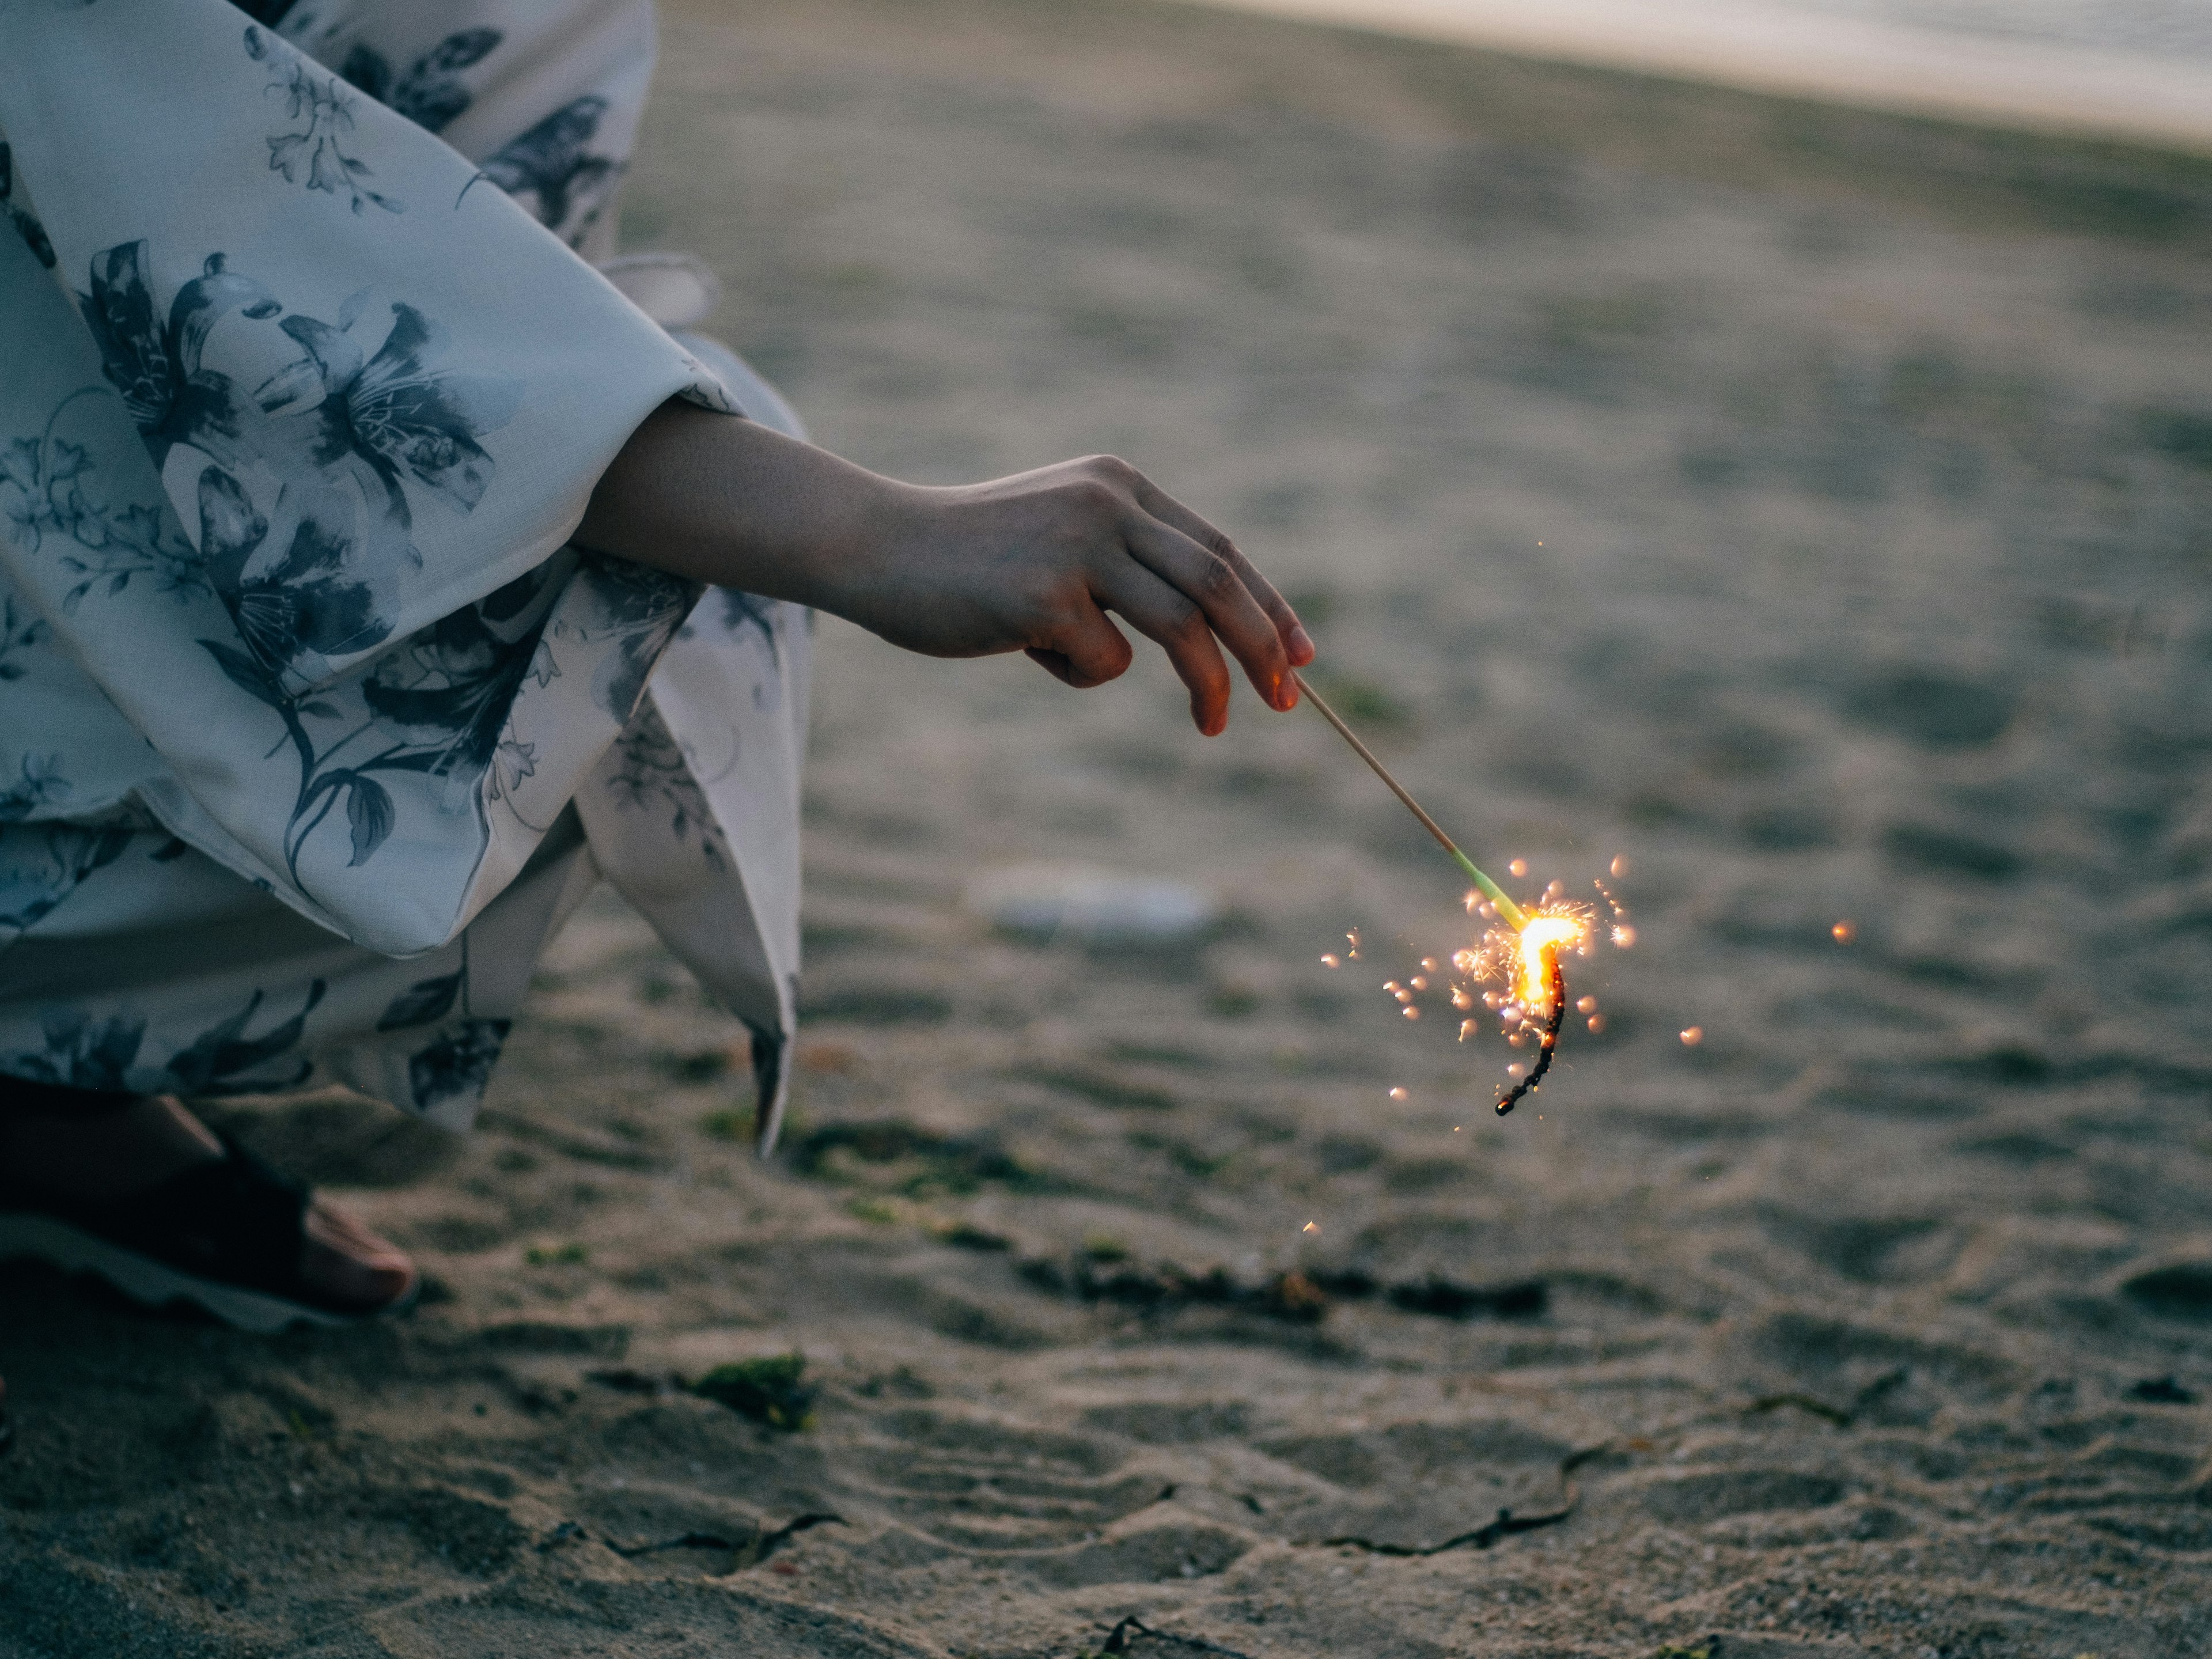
1539,940
1513,915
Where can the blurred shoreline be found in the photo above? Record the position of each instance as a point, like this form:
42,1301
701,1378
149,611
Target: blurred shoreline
2072,70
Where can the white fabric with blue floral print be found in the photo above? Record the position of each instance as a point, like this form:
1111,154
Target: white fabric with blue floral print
312,722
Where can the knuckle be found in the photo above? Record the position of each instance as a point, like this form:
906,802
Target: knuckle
1218,582
1093,497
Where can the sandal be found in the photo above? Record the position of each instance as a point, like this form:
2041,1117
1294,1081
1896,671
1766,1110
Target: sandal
225,1234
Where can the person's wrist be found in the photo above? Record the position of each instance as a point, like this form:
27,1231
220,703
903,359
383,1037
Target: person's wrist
871,566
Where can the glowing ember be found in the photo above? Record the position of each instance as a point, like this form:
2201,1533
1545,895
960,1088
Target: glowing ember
1550,932
1845,931
1693,1037
1397,1094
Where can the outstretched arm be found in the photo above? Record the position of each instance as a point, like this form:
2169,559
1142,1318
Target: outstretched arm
1031,563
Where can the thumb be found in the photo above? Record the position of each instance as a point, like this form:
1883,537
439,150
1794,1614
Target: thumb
1086,650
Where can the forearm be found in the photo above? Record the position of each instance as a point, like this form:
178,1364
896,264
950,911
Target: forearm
729,501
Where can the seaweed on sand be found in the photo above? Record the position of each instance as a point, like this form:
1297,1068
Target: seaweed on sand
767,1389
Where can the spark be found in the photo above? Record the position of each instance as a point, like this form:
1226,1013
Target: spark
1398,1093
1330,959
1694,1036
1845,931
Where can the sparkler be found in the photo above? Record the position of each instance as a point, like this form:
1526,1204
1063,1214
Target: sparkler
1527,957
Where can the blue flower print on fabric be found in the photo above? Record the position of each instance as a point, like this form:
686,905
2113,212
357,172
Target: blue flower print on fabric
431,93
342,430
316,155
551,172
32,233
82,1052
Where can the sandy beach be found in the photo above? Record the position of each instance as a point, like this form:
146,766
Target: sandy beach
1811,508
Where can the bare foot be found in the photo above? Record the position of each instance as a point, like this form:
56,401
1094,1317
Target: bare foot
341,1259
106,1156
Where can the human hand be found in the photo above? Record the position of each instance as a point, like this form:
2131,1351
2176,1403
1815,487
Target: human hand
1034,563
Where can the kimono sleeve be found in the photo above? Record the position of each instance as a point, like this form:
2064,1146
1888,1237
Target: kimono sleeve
299,423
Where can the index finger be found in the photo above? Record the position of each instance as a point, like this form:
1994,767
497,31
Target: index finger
1298,644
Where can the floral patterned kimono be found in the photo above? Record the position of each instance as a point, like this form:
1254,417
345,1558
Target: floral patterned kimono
313,724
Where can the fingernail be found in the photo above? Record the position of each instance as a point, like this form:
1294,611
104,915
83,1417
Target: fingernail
1301,641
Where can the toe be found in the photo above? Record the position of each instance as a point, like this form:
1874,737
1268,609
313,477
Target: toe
341,1259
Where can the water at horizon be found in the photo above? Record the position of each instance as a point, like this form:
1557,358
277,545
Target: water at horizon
2164,29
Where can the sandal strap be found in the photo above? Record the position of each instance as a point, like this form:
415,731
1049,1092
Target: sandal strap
233,1220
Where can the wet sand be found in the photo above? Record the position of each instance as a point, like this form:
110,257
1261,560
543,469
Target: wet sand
1811,507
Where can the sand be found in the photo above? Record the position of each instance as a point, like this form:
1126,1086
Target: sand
1811,508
